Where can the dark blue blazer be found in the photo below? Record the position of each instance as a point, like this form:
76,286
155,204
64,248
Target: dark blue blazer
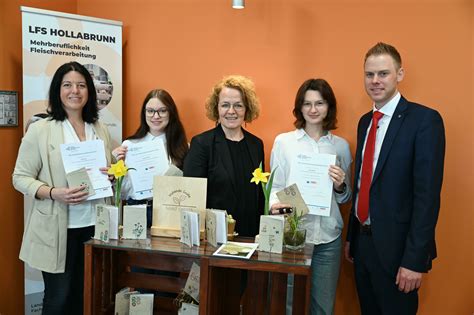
405,191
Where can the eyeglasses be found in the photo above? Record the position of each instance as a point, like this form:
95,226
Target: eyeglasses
309,105
237,107
162,112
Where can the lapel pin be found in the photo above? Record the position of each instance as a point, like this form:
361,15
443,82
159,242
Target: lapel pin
399,116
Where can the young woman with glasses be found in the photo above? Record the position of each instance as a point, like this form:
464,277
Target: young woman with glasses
159,121
315,112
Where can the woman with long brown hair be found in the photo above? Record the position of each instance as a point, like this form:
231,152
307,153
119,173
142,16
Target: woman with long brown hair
159,121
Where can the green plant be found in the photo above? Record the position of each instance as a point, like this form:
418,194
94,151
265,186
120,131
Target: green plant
294,236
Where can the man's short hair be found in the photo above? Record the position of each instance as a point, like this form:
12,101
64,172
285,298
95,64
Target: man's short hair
385,49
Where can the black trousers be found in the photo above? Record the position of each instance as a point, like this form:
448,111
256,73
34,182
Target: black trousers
63,292
378,293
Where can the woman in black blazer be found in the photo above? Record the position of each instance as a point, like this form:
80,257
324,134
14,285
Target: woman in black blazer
227,154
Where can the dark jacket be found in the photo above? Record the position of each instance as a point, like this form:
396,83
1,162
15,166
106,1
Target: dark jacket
404,196
209,157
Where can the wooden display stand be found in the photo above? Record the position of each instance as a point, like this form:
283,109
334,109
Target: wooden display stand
108,268
170,195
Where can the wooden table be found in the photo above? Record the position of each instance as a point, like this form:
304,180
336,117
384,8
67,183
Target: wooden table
222,290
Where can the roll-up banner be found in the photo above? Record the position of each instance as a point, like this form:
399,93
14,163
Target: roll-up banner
51,39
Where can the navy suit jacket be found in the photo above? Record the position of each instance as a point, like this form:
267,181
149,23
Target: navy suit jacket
404,197
209,157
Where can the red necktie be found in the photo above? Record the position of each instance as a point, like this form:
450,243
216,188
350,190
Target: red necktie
367,170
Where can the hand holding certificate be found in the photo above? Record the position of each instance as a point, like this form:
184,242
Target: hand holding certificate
310,173
91,156
148,159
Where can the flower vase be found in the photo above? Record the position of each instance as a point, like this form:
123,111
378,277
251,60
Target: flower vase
295,239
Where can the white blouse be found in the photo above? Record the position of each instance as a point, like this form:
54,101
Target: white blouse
319,229
83,214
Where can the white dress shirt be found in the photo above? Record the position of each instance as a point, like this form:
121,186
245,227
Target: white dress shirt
127,188
83,214
319,229
387,110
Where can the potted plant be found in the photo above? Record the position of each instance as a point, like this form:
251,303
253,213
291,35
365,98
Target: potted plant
294,236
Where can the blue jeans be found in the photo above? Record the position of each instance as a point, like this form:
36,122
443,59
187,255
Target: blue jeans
324,275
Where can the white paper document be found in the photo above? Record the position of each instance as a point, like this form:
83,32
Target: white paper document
148,159
91,156
311,173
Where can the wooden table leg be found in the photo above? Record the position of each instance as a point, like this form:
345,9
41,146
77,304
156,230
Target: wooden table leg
301,294
97,291
278,293
204,286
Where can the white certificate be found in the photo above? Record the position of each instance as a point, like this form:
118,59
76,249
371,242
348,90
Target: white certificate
148,159
311,173
91,156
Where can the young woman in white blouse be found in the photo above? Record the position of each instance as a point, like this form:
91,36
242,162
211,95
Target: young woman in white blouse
159,121
315,112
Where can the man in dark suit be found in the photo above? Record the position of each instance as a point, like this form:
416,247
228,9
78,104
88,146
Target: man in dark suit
397,184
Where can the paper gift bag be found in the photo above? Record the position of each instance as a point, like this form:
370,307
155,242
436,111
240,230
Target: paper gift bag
173,194
192,283
102,223
141,304
216,226
271,233
134,222
189,228
188,309
122,301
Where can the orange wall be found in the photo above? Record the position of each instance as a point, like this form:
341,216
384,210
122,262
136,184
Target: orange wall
11,210
185,46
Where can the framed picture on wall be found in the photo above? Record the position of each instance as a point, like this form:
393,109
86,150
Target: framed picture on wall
8,108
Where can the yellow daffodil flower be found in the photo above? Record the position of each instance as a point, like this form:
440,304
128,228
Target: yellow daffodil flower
259,176
118,169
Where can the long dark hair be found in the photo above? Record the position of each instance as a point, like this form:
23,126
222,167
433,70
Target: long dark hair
90,113
323,87
176,141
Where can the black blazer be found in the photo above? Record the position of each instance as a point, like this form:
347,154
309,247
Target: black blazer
209,157
404,197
